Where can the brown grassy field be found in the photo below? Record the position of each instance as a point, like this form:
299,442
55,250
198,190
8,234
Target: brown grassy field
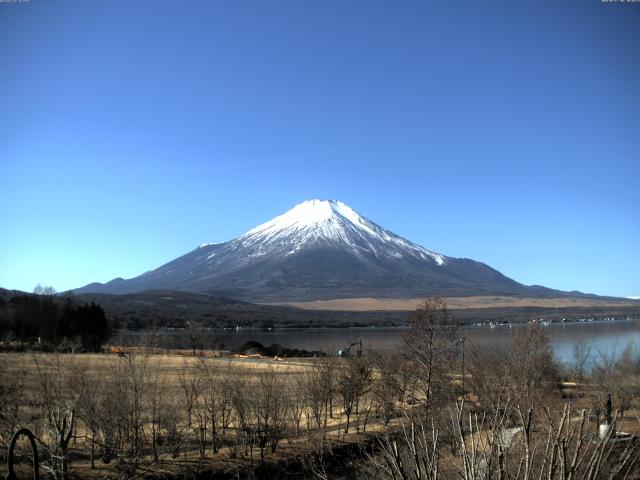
456,303
167,369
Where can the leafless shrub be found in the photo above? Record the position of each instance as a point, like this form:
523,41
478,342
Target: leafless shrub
556,445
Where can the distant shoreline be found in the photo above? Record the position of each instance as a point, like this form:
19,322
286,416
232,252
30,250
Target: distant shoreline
181,331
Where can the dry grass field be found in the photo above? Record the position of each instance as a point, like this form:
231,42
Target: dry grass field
169,379
456,303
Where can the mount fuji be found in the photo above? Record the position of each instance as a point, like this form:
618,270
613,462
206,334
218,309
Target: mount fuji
321,249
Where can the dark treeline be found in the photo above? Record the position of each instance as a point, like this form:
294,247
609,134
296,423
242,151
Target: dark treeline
52,321
173,309
164,309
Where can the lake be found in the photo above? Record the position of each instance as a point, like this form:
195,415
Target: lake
607,337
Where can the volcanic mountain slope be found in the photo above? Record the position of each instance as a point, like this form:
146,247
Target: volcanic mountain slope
321,249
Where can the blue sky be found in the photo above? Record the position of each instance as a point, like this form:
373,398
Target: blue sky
507,132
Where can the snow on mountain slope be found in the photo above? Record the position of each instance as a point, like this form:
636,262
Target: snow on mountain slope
318,249
329,221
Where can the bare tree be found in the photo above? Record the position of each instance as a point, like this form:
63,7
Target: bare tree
318,391
244,414
532,366
489,378
581,359
270,406
202,413
47,290
296,400
190,384
88,390
353,380
387,384
197,336
430,347
212,395
136,369
57,413
121,416
163,418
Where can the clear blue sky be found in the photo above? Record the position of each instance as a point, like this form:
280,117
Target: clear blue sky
507,132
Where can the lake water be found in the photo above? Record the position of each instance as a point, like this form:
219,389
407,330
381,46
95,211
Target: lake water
607,337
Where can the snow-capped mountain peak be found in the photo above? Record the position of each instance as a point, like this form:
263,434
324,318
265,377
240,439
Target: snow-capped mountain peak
330,222
322,217
307,214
